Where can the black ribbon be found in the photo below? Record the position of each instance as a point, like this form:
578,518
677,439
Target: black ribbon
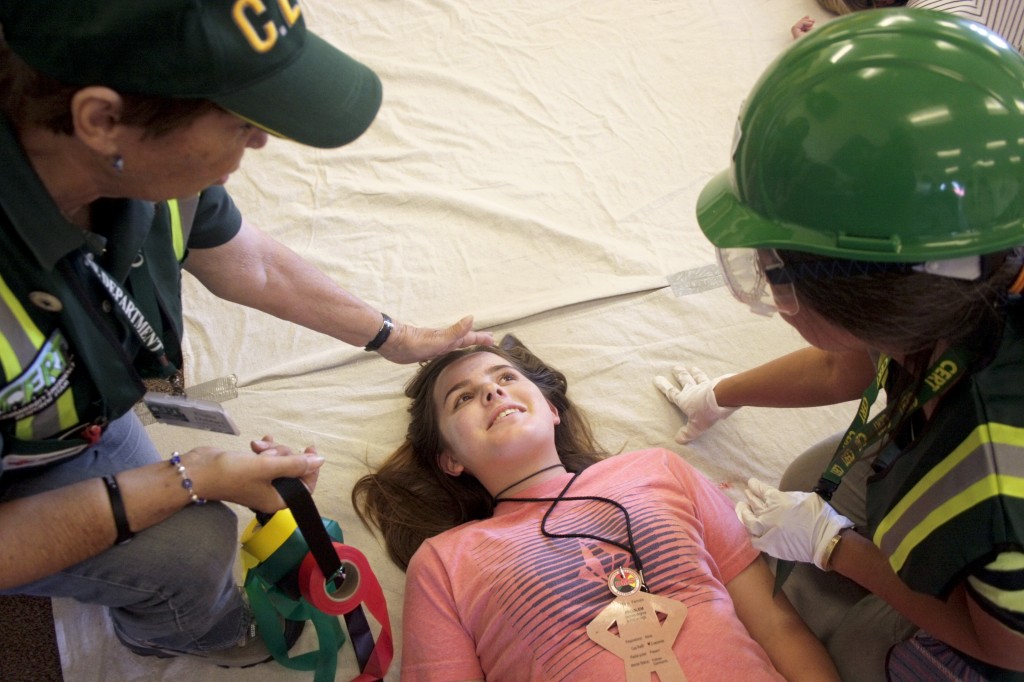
307,517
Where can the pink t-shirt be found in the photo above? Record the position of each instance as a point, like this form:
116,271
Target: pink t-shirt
495,599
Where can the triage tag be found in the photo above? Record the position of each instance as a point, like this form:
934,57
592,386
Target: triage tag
189,412
630,628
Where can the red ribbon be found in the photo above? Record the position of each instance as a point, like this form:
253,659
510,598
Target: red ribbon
359,587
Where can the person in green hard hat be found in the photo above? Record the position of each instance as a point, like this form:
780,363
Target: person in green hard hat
120,122
876,200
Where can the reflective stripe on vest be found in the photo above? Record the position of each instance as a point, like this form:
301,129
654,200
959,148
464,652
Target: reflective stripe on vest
179,243
32,365
183,214
987,464
37,401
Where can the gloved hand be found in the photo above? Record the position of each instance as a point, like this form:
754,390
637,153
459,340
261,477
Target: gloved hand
696,398
790,525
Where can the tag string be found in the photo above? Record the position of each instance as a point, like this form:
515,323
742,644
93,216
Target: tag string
630,548
524,479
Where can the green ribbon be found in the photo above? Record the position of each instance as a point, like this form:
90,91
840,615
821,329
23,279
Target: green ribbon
270,602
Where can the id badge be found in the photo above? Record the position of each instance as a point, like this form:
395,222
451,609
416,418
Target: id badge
191,413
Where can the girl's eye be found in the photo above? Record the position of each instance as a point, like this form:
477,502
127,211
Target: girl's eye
508,376
462,398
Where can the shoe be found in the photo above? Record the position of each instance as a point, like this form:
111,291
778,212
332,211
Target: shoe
247,653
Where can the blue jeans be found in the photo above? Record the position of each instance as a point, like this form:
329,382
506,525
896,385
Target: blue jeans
172,585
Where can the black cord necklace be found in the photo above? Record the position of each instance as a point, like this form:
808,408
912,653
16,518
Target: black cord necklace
526,478
630,548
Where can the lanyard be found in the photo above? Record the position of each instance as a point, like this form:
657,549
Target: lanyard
862,433
131,315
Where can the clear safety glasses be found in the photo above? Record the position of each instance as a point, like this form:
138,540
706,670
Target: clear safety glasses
759,278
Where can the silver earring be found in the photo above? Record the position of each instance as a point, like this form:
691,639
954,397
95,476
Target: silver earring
118,163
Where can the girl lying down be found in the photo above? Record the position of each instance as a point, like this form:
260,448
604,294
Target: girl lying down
531,555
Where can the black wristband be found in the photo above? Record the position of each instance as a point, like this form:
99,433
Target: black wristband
382,335
124,532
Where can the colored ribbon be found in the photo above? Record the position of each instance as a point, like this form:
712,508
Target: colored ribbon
359,587
326,565
271,554
269,603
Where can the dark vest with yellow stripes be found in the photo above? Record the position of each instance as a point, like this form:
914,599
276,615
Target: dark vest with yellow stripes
66,360
945,505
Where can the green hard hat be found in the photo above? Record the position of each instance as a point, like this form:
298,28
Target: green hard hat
889,135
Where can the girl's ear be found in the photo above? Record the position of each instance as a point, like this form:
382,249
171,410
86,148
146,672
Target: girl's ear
554,411
449,465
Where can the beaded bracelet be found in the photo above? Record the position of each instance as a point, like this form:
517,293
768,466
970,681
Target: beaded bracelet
186,482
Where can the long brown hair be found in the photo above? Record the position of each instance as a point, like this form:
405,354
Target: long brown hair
409,498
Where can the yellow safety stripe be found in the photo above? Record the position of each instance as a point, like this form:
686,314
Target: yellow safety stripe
176,236
8,360
992,485
982,434
67,413
1011,600
35,336
1007,562
12,366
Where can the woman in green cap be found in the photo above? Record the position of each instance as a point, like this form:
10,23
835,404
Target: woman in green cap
120,122
876,201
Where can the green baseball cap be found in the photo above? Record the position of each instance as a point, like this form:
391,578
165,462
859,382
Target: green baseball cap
254,58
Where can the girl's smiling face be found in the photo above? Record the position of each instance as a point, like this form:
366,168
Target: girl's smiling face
495,423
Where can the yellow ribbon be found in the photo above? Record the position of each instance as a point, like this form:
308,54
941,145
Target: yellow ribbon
259,542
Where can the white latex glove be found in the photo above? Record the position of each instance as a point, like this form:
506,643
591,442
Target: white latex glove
696,398
789,525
